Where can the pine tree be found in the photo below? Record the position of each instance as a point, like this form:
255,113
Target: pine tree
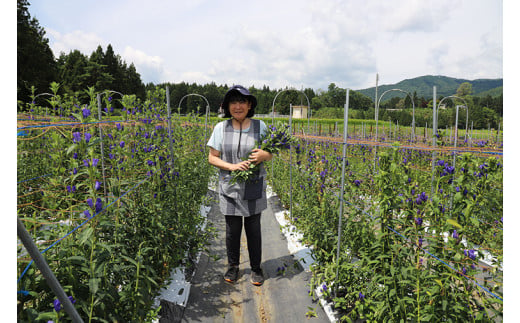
36,65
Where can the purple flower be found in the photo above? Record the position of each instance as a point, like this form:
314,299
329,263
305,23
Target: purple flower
87,137
99,205
86,112
122,144
119,126
361,296
86,162
418,221
57,303
324,288
68,188
464,271
357,182
90,203
150,163
87,214
420,242
95,161
455,235
75,156
472,254
76,137
97,185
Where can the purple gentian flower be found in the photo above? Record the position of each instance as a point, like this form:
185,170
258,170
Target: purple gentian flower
95,161
87,214
87,137
361,296
86,162
75,156
85,112
455,235
99,205
74,171
122,144
90,203
357,182
418,221
57,303
97,185
472,254
76,137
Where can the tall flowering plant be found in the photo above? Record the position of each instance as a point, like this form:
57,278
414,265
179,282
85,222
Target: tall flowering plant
276,138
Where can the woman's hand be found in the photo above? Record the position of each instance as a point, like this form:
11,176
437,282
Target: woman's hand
258,155
244,165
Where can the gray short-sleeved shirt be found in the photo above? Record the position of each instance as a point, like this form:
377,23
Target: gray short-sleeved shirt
215,141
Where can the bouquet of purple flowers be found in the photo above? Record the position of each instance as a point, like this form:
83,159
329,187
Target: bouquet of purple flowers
276,139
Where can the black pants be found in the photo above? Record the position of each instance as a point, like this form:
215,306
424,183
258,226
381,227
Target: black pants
253,235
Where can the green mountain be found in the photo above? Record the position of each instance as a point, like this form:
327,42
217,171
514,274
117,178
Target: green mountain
423,85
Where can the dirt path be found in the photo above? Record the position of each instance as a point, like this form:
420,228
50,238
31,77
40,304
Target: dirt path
282,298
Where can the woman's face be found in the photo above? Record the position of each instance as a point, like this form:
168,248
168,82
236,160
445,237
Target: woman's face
239,108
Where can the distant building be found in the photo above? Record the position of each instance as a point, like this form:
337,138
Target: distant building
300,111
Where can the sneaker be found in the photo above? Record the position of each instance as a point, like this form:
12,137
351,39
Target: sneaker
231,274
257,277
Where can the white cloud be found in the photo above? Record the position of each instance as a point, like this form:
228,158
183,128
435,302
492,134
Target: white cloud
85,42
151,68
291,43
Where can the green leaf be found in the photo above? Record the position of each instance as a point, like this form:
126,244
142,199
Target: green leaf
85,235
72,148
93,284
454,223
78,260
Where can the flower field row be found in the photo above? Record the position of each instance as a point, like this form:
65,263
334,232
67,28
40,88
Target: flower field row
131,200
419,242
411,248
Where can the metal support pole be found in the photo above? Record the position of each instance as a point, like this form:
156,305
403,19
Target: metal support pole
46,271
290,164
434,137
101,146
169,124
342,188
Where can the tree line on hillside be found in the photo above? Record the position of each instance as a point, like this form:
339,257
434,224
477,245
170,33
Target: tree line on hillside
105,70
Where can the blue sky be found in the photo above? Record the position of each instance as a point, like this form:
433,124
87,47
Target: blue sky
285,43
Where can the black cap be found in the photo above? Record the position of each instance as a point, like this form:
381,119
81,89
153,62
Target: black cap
238,89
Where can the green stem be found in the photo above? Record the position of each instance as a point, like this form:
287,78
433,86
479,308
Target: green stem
91,276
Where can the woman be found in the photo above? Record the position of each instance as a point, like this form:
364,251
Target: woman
241,203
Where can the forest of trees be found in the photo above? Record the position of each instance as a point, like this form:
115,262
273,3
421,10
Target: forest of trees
74,71
105,70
